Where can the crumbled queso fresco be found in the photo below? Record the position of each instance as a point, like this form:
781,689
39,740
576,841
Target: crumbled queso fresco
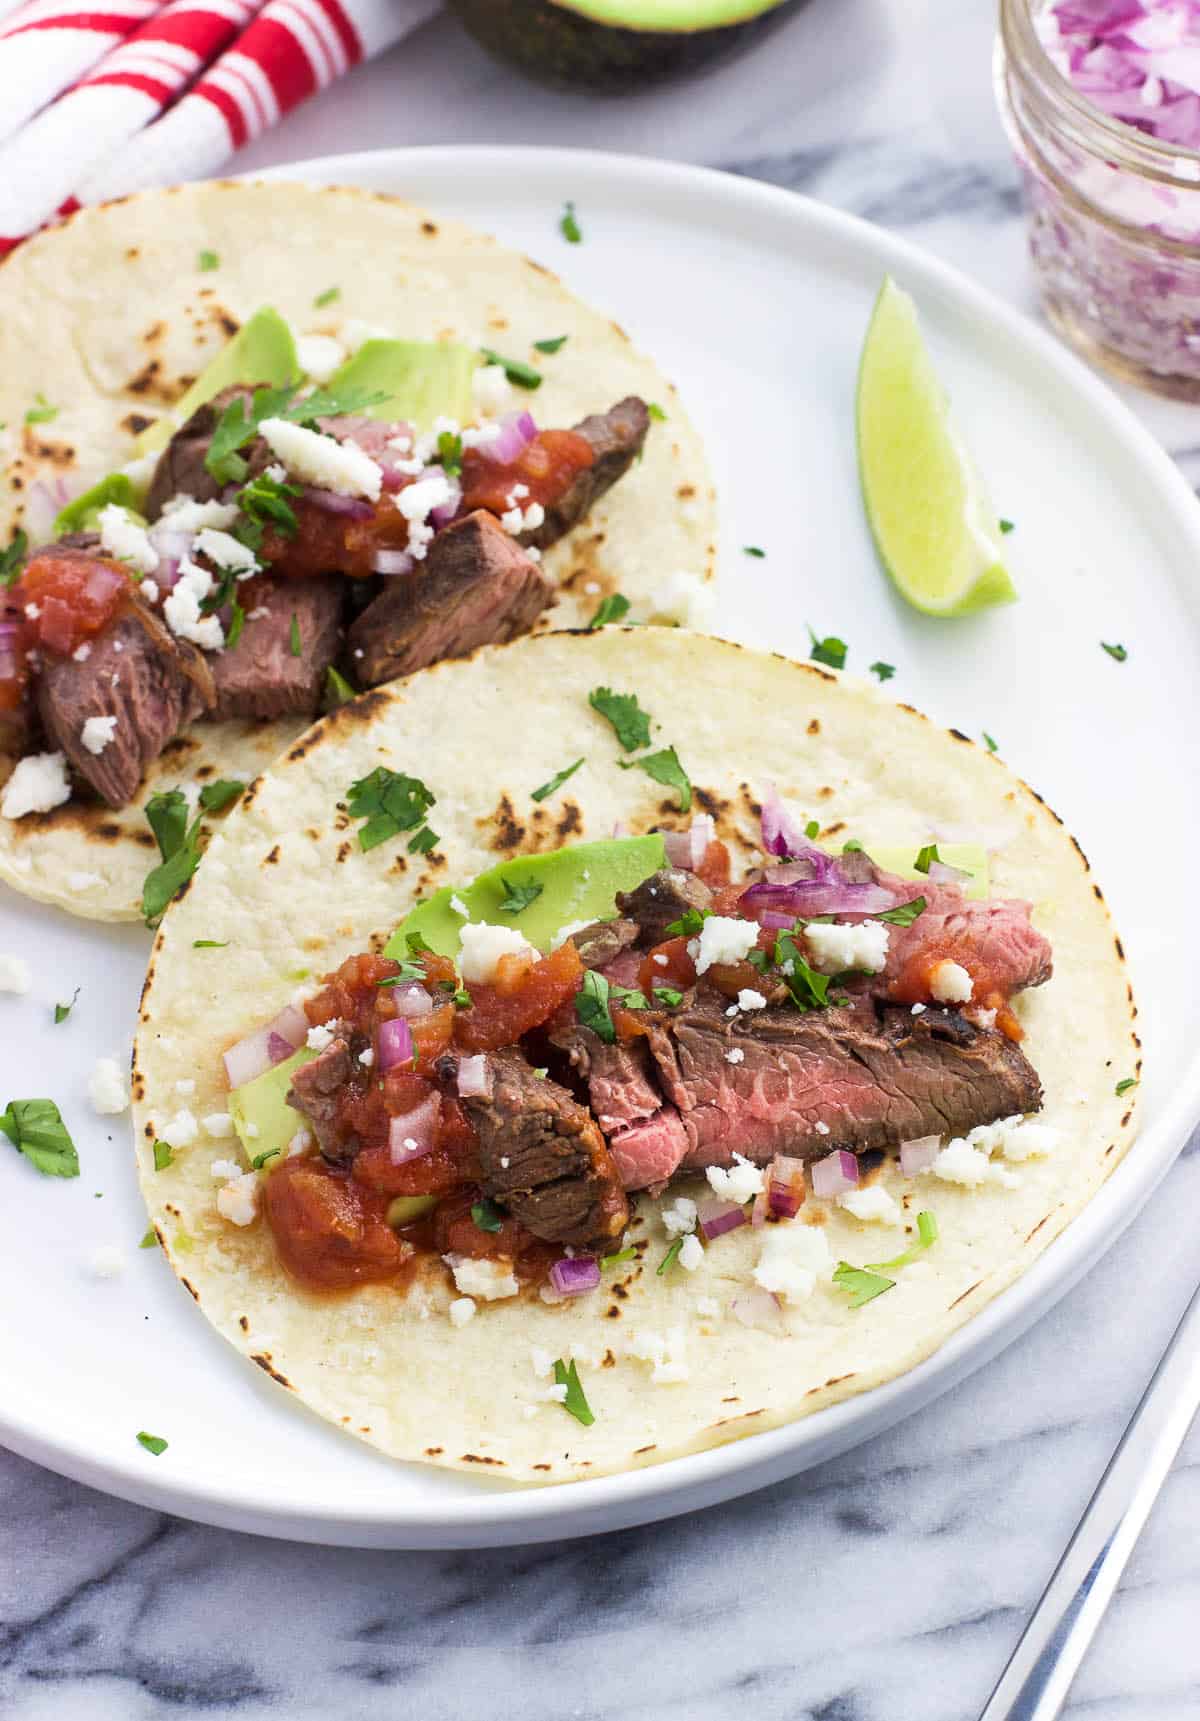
108,1087
722,940
836,948
968,1160
38,784
483,946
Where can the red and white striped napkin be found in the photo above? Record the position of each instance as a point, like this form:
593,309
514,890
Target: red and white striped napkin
151,94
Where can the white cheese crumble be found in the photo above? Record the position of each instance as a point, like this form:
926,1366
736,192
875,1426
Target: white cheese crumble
749,999
237,1200
38,783
541,1361
835,948
950,983
489,1280
107,1262
518,520
14,974
121,536
483,946
320,1037
735,1055
872,1204
366,1058
708,1306
342,467
684,600
182,1129
741,1182
667,1353
181,609
108,1087
185,1087
84,651
225,1170
183,513
691,1253
319,356
461,1310
680,1217
97,732
491,389
722,940
959,1162
792,1259
218,1124
149,591
226,551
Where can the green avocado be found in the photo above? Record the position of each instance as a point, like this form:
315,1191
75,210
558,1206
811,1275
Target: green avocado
968,857
403,1209
264,1121
262,351
83,514
577,885
611,46
423,380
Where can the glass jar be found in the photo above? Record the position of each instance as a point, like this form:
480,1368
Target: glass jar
1114,219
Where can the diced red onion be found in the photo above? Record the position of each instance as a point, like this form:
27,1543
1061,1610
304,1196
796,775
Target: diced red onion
353,507
826,892
574,1274
517,431
781,835
265,1047
835,1175
393,478
919,1155
372,435
757,1308
445,511
786,1188
395,1043
412,1135
760,1209
103,583
686,849
1136,62
392,562
717,1217
474,1077
9,633
412,1000
942,873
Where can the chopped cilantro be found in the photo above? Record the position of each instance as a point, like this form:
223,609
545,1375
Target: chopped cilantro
239,423
556,782
216,796
628,998
905,913
568,225
862,1284
883,671
656,412
260,1159
264,501
665,768
164,1153
149,1238
237,622
988,742
36,1129
808,988
1123,1087
669,996
1117,651
207,261
753,550
327,297
153,1443
1006,526
927,1233
450,452
851,846
611,608
179,845
927,857
555,344
629,721
592,1006
62,1011
463,998
670,1258
575,1404
210,944
417,944
487,1216
688,924
337,690
830,650
607,1261
812,830
295,643
516,370
13,559
42,413
423,842
391,802
517,897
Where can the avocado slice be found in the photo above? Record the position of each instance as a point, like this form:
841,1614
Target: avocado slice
262,351
261,1106
403,1209
423,380
612,46
83,514
968,857
578,884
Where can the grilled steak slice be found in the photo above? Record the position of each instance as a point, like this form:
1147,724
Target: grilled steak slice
603,941
647,1153
997,933
873,1079
618,1077
181,469
616,437
544,1158
260,676
662,899
475,587
314,1092
137,672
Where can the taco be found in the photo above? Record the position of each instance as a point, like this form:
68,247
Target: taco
268,445
705,1053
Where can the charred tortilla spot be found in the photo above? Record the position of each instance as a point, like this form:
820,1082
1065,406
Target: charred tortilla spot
832,830
354,713
814,727
154,334
825,794
429,228
434,1451
541,1467
684,491
497,322
476,1458
966,1293
144,839
509,833
1029,1235
147,379
189,1288
132,253
243,1323
179,746
570,820
734,1399
1120,948
150,1132
638,1450
613,1314
1126,1119
959,736
345,850
273,857
263,1359
609,1361
836,1381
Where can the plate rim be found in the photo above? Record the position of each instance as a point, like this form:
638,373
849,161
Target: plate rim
518,1514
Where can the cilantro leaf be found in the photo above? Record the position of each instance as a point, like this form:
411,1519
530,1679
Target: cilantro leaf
1006,526
153,1443
830,650
390,802
264,500
260,1159
656,412
575,1404
555,344
808,988
927,857
988,742
556,782
628,997
12,560
688,924
42,413
164,1153
517,897
630,723
36,1129
167,816
239,422
516,370
423,842
338,690
216,796
611,608
1117,651
327,297
927,1234
237,622
450,452
607,1261
665,768
568,225
670,1258
210,944
904,913
62,1011
179,845
862,1284
753,550
487,1216
295,643
149,1238
883,671
1124,1086
592,1006
669,996
207,261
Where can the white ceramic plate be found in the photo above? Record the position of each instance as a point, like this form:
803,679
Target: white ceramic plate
755,302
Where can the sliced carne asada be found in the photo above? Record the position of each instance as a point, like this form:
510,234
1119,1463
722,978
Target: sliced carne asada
997,935
761,1084
475,587
262,676
604,940
618,1077
136,672
662,899
181,470
544,1159
316,1091
648,1153
616,438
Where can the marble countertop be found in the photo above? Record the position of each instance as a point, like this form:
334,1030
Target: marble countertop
889,1585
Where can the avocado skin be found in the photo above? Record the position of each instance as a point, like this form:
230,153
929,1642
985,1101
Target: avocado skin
555,45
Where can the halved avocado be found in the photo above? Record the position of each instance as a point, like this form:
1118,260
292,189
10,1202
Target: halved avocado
611,46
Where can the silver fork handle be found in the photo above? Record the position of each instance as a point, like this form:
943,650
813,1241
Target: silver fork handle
1034,1685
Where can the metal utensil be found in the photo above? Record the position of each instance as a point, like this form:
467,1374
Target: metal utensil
1034,1685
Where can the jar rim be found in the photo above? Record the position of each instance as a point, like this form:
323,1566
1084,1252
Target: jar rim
1024,47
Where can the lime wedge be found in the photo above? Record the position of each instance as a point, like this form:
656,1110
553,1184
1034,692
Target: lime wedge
936,531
